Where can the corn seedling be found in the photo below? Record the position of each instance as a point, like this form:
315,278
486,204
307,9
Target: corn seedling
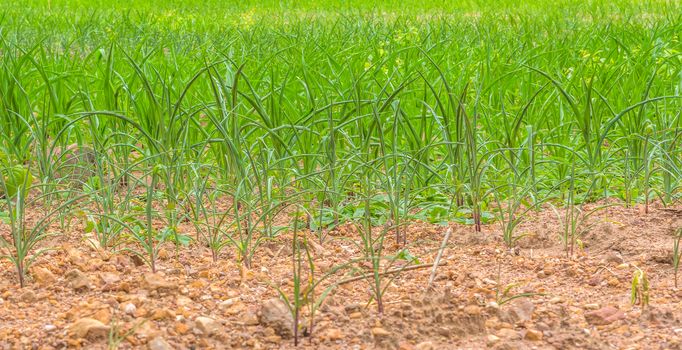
677,253
639,290
21,247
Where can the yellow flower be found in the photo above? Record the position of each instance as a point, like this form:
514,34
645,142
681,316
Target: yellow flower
368,64
247,19
569,72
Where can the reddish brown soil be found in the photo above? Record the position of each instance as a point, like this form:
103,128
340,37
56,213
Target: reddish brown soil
460,310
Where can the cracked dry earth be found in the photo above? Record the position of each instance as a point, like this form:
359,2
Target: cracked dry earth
81,297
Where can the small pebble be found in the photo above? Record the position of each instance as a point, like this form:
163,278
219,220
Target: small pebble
129,309
593,306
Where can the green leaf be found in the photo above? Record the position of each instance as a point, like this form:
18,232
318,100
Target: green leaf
5,217
407,256
15,179
89,226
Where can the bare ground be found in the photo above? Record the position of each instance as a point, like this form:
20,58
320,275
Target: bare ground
581,302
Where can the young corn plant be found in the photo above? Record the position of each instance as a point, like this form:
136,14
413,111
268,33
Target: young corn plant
478,160
253,212
16,183
638,167
304,296
468,157
143,231
301,284
372,243
505,295
21,246
372,246
208,216
303,278
513,204
576,220
640,288
246,215
108,204
449,114
677,253
671,165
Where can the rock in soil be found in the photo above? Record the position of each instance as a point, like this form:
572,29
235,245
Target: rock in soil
89,328
604,316
250,319
206,325
43,276
27,296
507,333
110,278
159,343
333,334
426,345
154,281
380,332
129,308
275,314
78,280
533,335
591,306
614,258
520,310
492,339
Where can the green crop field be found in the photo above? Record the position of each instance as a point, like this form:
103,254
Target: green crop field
228,124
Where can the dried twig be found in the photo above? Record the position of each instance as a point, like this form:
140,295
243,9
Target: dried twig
601,268
396,270
440,254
